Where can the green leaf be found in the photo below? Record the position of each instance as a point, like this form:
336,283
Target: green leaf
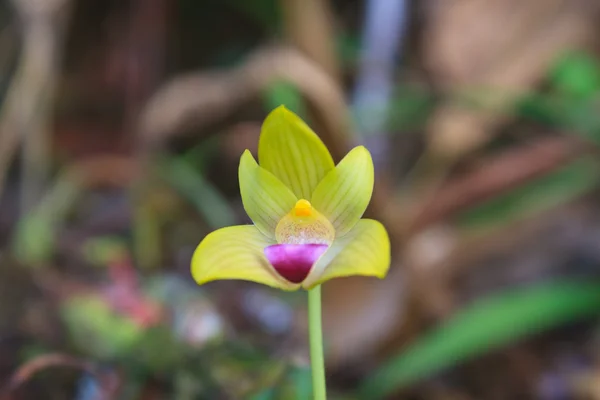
96,330
576,75
213,206
348,46
284,93
548,110
301,378
487,324
34,239
410,108
268,394
296,384
264,12
104,249
146,229
143,354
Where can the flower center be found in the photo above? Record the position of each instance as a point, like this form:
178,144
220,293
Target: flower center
303,235
304,225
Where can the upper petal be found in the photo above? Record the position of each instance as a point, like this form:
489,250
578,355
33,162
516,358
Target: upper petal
236,252
293,152
365,250
344,194
266,200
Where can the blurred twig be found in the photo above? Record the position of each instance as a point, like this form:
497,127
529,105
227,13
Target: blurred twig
32,367
8,50
43,25
144,55
496,175
144,52
310,27
203,98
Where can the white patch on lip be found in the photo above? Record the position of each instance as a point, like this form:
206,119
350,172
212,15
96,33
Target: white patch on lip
312,229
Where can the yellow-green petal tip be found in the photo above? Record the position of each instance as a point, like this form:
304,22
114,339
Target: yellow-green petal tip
265,198
290,150
345,192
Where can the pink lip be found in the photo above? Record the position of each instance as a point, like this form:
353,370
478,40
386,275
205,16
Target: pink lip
294,261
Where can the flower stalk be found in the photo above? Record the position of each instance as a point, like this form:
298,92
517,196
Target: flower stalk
315,332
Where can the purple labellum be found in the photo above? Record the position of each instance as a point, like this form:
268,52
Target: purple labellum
294,261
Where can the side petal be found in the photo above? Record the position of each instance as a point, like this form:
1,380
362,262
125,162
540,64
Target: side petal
365,250
236,252
293,152
266,200
344,194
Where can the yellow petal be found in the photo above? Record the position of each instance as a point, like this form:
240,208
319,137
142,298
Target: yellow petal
236,252
293,152
344,194
365,250
266,200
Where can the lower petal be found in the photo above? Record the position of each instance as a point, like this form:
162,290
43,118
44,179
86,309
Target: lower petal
294,261
236,252
365,250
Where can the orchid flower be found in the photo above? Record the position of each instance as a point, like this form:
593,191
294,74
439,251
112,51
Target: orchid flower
306,215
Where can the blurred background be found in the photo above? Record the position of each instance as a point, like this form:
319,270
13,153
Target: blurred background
121,127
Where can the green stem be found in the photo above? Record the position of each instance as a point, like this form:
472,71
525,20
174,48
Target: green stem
317,360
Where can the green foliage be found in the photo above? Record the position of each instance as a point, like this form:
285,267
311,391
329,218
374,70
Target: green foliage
576,75
98,331
295,384
104,249
572,101
299,385
146,236
95,329
241,370
486,324
157,351
286,94
192,185
34,239
265,12
348,48
409,108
